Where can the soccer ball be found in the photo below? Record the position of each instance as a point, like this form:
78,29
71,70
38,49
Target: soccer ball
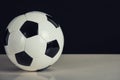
33,41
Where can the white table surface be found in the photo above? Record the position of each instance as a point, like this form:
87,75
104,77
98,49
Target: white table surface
68,67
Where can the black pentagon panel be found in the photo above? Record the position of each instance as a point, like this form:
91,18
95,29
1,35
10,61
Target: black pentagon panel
23,58
53,21
29,29
52,48
6,37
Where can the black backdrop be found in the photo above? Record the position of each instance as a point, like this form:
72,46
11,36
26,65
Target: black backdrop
88,26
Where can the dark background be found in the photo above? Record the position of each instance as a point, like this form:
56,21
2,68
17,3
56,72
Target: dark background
88,26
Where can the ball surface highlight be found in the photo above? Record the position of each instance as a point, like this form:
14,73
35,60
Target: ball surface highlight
33,41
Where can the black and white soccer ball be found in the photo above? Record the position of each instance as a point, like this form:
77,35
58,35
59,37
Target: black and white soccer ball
33,41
